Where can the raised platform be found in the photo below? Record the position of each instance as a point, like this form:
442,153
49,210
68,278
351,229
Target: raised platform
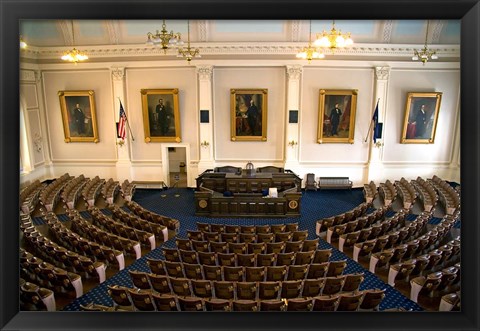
244,195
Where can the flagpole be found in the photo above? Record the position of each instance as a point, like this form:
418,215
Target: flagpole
126,120
371,122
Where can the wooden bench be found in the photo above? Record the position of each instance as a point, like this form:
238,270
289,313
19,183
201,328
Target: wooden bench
334,183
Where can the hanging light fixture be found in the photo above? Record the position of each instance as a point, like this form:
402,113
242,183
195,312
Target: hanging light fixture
74,55
188,52
333,39
424,54
164,39
23,44
310,52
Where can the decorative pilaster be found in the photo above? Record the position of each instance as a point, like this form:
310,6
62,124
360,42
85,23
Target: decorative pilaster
206,143
375,167
294,74
124,164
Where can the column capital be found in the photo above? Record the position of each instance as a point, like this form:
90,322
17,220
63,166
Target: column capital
382,73
117,73
204,72
294,71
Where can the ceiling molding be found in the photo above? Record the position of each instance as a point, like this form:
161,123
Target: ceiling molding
112,31
436,31
295,33
66,30
202,31
231,49
387,31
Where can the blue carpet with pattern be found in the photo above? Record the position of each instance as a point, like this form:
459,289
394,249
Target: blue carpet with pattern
178,203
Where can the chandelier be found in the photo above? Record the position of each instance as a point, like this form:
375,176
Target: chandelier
74,55
23,44
164,38
424,54
188,52
333,39
309,52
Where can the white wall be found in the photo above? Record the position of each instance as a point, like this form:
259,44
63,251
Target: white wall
162,78
421,159
334,159
329,159
228,151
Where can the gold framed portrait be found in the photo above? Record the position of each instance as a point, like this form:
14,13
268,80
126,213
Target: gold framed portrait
336,116
161,115
421,115
249,114
79,116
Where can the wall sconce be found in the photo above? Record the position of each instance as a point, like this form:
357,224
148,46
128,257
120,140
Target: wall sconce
292,143
204,144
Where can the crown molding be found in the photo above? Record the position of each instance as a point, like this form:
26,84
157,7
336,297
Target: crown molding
231,50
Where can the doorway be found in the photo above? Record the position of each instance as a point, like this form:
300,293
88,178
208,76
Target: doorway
177,165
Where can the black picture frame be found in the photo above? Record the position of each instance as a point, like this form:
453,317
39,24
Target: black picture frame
204,116
12,319
293,116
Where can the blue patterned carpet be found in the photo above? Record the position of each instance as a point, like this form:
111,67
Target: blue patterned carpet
178,203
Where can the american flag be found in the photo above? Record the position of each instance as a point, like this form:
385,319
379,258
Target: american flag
122,122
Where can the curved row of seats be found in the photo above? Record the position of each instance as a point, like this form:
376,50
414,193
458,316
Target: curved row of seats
78,244
170,223
92,190
147,300
113,247
386,235
110,190
29,196
373,220
426,193
34,297
261,247
251,289
417,265
122,230
127,189
59,255
44,274
50,195
388,192
232,272
370,191
323,224
72,191
406,192
248,260
448,196
134,221
396,254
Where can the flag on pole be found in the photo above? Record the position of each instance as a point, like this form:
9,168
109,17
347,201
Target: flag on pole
376,128
122,122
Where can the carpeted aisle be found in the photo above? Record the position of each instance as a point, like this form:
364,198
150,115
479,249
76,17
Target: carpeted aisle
178,203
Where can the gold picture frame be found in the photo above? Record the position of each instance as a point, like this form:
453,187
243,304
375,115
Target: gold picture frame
339,128
421,116
79,116
249,114
161,115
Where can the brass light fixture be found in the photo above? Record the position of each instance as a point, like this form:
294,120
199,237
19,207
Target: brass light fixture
310,52
74,55
424,54
188,52
164,39
333,39
23,44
